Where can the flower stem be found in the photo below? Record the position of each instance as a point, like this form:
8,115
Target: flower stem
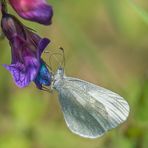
3,6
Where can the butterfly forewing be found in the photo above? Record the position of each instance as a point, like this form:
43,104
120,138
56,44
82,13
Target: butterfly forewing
115,105
90,110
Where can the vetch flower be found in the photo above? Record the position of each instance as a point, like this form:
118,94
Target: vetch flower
26,49
43,77
34,10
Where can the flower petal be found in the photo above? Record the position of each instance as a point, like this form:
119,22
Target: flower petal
34,10
42,45
23,74
43,77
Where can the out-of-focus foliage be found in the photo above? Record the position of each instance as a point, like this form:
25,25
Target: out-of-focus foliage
111,38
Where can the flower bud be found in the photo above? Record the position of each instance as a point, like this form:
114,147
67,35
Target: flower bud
33,10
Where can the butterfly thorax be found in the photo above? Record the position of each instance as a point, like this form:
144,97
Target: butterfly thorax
58,78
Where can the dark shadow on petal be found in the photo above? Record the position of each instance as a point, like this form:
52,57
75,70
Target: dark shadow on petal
42,45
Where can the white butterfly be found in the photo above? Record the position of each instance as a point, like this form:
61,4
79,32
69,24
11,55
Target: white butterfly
89,110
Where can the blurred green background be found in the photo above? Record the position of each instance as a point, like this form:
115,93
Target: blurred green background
105,42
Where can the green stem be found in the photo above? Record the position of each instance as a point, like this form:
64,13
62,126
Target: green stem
3,7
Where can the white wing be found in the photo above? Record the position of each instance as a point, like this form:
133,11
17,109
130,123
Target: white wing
90,110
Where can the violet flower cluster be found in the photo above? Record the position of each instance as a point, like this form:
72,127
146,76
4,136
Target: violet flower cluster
27,46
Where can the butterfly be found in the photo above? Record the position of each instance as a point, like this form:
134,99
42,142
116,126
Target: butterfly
89,110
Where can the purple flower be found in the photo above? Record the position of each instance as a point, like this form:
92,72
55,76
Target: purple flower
43,77
34,10
26,49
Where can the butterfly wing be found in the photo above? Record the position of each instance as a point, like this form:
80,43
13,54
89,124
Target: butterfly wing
90,110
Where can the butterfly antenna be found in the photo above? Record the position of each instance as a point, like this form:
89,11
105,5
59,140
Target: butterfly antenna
63,53
48,66
53,55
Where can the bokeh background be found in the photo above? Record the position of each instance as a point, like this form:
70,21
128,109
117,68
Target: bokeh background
105,42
